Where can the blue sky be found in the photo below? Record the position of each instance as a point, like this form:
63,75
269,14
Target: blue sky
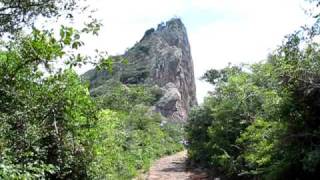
220,31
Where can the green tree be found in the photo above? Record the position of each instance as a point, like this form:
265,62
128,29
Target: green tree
43,116
263,123
15,14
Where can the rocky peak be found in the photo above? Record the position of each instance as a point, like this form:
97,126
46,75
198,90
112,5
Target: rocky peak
173,32
163,58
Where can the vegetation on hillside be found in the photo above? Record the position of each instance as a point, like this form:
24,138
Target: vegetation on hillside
129,135
262,120
51,127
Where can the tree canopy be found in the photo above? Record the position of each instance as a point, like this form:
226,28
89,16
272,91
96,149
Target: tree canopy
262,120
15,14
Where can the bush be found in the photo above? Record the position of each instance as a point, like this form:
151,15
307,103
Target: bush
42,117
127,143
262,122
128,136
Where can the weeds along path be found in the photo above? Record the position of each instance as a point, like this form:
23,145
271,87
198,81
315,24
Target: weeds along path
173,168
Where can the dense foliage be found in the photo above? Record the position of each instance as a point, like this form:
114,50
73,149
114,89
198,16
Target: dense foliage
129,136
15,14
262,120
51,126
42,117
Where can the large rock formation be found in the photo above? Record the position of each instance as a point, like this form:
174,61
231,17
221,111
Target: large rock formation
162,57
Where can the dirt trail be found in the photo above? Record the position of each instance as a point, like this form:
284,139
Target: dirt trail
173,168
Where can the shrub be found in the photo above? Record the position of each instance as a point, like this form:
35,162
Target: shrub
127,143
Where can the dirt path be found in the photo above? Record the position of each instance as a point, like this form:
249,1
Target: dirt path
173,168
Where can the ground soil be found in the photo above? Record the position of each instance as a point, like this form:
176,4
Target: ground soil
174,168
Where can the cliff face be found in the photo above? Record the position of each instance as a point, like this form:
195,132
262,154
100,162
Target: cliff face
162,58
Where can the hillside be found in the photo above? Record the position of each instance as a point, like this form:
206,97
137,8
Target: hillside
161,59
